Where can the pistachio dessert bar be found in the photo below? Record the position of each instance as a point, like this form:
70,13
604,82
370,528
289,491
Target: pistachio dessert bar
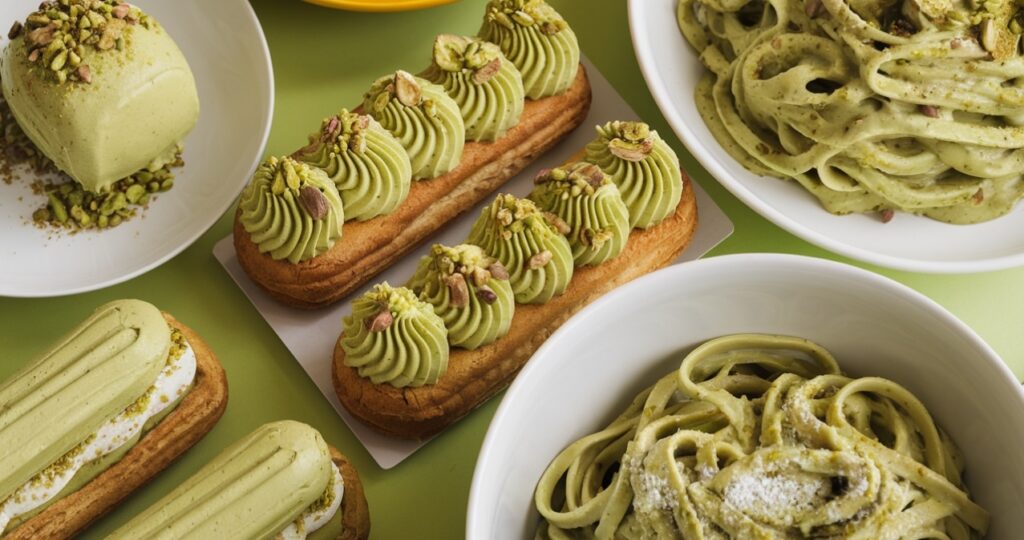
419,151
412,360
101,412
280,481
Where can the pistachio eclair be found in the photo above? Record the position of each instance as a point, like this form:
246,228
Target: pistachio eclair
280,481
419,151
108,406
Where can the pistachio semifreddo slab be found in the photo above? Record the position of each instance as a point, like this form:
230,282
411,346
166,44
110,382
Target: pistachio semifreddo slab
100,88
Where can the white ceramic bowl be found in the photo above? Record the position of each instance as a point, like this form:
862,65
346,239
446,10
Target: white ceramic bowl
590,369
908,242
228,54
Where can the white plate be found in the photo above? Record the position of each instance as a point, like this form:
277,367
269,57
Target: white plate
591,368
908,242
228,54
311,335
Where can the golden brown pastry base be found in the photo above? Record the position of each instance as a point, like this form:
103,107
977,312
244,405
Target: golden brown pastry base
355,514
198,411
366,248
474,376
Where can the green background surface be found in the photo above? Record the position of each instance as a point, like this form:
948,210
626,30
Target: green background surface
324,60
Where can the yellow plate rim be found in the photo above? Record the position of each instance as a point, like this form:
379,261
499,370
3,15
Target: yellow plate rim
379,5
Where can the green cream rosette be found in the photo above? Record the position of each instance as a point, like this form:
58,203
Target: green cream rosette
469,291
643,167
291,210
529,244
589,203
394,338
366,163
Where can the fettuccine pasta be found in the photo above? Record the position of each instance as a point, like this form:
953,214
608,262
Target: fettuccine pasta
762,437
912,105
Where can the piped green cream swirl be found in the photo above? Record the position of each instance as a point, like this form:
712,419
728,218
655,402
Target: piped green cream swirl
469,291
392,337
644,168
367,164
528,244
590,204
486,86
423,118
291,210
537,40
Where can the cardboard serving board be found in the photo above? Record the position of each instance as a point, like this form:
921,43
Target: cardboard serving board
311,335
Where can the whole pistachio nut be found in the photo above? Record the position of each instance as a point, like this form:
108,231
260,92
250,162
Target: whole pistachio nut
558,223
84,73
486,295
407,90
15,30
458,290
487,72
313,202
498,271
448,50
629,151
381,321
539,260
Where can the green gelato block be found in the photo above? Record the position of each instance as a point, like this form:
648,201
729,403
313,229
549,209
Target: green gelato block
103,91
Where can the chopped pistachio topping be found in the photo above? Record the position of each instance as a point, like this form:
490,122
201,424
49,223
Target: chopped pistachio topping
68,205
526,13
343,132
71,206
456,53
58,33
573,180
630,141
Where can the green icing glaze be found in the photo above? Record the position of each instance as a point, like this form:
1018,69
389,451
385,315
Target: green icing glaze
393,337
486,86
291,210
253,489
423,118
467,292
537,40
644,168
90,375
367,164
528,244
590,204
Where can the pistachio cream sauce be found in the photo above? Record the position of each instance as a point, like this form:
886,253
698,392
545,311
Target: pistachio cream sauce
910,105
530,245
422,116
83,404
367,164
486,86
291,210
277,482
643,167
100,88
537,40
394,337
588,202
760,436
469,291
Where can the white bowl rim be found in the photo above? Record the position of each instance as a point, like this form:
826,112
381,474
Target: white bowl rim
250,14
687,135
655,279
